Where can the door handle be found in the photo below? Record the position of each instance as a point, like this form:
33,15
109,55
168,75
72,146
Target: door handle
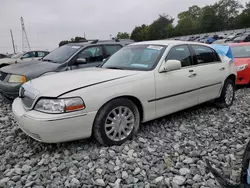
192,75
222,68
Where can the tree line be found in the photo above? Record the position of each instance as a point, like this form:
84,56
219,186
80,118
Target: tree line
223,15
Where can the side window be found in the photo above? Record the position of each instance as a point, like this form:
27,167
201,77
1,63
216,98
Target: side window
29,55
111,49
182,54
92,54
41,54
204,54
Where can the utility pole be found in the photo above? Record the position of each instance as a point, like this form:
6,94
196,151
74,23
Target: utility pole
13,44
25,40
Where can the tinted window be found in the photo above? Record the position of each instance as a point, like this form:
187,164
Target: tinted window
182,54
205,54
241,51
92,54
41,54
29,55
111,49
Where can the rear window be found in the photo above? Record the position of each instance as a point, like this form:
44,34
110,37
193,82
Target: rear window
241,51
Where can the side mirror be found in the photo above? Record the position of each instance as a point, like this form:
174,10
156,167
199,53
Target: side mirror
170,65
21,58
81,61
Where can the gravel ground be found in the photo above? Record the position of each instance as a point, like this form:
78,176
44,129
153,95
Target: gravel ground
169,151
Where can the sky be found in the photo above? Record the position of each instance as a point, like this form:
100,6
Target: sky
48,22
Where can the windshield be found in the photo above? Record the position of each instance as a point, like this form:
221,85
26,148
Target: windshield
241,51
61,54
136,57
16,56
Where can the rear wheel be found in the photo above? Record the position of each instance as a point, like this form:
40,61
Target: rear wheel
227,95
116,122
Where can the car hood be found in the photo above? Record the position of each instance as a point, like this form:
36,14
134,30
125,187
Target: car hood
7,60
241,61
34,67
59,83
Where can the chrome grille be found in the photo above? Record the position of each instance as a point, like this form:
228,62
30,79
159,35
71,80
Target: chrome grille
3,75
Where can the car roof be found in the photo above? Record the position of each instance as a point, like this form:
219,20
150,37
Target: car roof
239,44
168,42
100,42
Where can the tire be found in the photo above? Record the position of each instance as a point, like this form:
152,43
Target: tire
226,99
115,117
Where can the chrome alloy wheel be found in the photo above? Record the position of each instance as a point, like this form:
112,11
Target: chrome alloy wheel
119,123
229,94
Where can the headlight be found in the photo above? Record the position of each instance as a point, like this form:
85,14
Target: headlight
60,105
17,79
241,67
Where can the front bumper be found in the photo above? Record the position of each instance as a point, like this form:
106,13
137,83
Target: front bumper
243,77
53,128
10,90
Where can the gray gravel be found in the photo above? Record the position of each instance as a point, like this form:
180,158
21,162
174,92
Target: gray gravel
166,152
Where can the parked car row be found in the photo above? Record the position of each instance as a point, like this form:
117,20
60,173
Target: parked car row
237,37
118,86
67,57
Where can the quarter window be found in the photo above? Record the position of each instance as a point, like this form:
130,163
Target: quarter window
205,54
182,54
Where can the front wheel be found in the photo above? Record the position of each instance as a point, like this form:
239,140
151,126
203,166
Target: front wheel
227,95
116,122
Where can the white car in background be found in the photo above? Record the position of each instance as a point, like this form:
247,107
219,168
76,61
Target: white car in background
23,57
141,82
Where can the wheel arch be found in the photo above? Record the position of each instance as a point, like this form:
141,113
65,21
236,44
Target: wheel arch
134,99
232,77
3,65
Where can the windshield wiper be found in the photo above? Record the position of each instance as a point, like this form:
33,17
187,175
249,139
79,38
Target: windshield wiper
118,68
49,60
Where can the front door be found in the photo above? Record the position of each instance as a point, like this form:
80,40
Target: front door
94,56
176,90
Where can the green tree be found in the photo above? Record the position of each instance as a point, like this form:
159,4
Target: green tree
226,11
242,20
189,21
121,35
63,42
157,30
72,40
139,33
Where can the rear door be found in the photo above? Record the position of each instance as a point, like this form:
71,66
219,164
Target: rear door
211,71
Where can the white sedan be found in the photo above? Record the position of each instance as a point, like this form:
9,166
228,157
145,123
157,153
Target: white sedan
139,83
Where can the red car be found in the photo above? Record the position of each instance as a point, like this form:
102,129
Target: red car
241,53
